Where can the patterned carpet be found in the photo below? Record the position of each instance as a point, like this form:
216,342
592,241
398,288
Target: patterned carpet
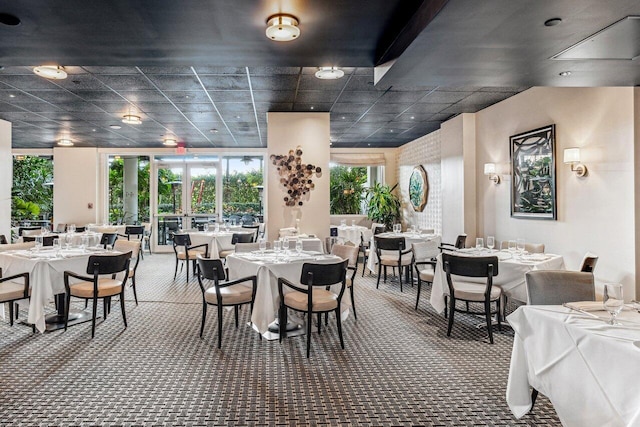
398,368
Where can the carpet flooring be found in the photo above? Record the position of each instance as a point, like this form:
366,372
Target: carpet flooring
398,367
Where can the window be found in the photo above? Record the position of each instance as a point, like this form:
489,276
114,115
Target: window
128,189
348,187
32,191
242,187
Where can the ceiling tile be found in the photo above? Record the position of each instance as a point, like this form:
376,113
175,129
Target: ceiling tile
225,82
175,82
316,96
278,82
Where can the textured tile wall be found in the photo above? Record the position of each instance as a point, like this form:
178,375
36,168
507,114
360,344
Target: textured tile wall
423,151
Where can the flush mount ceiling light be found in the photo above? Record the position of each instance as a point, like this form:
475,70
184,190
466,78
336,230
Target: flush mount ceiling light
54,72
565,74
65,143
282,27
131,119
329,73
170,142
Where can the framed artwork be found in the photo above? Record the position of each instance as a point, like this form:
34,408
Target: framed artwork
418,188
533,172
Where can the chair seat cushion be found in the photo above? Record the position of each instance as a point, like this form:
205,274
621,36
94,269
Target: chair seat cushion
226,252
349,282
132,272
388,259
323,300
192,254
234,294
10,291
474,291
106,288
426,275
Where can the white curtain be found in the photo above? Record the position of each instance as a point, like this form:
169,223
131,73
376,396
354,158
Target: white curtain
358,159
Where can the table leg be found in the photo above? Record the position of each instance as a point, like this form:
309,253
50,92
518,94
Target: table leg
56,321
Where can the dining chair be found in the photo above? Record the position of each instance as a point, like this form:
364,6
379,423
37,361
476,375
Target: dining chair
248,219
350,253
81,229
11,291
366,246
402,258
424,257
255,229
148,231
589,263
460,243
532,248
185,252
17,246
235,239
46,240
461,290
108,239
3,240
306,298
555,287
133,246
28,231
250,247
93,286
224,292
135,231
61,228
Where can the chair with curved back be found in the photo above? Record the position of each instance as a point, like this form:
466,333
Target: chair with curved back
235,239
133,246
461,290
10,291
460,243
3,240
250,247
61,228
248,219
135,231
365,246
224,292
186,252
28,231
255,229
108,239
395,255
589,263
424,256
350,253
92,286
46,240
306,298
81,229
555,287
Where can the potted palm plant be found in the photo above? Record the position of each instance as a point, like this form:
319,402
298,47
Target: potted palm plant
382,205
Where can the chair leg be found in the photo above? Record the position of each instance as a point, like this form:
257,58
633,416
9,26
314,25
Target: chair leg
175,273
235,309
319,323
220,308
339,323
446,306
400,276
187,262
499,314
66,311
282,321
17,311
364,264
385,274
93,319
309,321
133,286
105,308
379,274
353,303
204,316
418,295
124,315
487,313
11,313
452,310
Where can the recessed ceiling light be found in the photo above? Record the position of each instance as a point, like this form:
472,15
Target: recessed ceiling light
237,117
552,22
343,117
329,73
390,130
65,143
54,72
565,73
213,130
115,126
131,119
8,19
368,145
412,117
170,142
93,130
12,96
282,28
312,107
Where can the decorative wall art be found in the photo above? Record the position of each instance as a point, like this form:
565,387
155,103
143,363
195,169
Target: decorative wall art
295,176
533,169
418,188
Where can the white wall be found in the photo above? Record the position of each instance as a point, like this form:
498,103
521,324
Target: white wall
6,178
310,131
595,213
75,180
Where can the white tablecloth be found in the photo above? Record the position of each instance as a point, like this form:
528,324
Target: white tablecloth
409,239
510,278
266,304
46,275
353,233
587,368
220,241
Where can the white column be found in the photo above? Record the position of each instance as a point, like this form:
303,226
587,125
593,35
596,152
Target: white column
75,179
6,178
130,189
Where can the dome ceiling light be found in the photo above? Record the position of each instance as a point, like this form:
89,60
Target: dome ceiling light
170,142
65,143
329,73
282,27
131,119
54,72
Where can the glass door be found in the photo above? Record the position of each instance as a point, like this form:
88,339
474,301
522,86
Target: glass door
170,202
202,197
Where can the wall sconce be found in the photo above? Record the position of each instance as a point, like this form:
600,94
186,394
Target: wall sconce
572,157
490,171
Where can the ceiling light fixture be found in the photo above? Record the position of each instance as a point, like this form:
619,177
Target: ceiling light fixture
131,119
8,19
329,73
170,142
65,143
565,74
552,22
115,127
54,72
282,27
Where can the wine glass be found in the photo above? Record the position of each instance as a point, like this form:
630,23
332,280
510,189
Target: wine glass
72,228
84,242
277,246
299,246
56,246
206,227
285,243
512,246
479,243
520,245
491,242
226,226
353,222
263,245
613,300
38,243
343,222
67,240
216,228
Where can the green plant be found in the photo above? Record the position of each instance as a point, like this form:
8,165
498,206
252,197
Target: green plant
31,178
382,205
23,209
346,186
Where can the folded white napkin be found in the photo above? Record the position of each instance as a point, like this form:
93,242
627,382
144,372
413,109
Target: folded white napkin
586,305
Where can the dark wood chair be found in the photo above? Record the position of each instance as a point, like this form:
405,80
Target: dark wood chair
3,240
224,292
235,239
94,286
460,290
30,228
81,229
185,252
366,249
46,240
460,243
424,254
10,291
350,253
108,239
589,263
133,246
304,298
135,231
401,257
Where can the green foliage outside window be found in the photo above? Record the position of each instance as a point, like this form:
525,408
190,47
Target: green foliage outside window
31,198
346,188
116,198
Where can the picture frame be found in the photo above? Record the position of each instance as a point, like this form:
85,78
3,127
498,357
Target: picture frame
418,188
533,172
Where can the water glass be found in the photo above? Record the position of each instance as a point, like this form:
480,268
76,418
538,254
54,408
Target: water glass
613,300
84,242
56,244
299,246
343,222
277,246
67,240
216,227
285,243
491,242
43,230
226,226
512,246
520,245
38,243
263,245
479,243
413,228
206,227
233,222
72,228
